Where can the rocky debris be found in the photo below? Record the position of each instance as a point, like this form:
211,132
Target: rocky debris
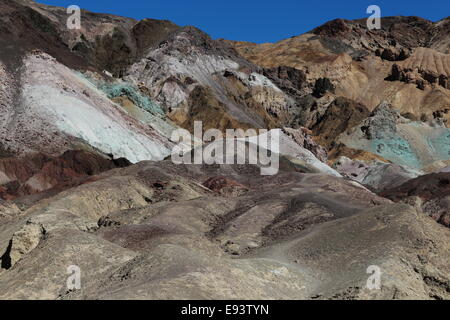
53,114
204,106
38,173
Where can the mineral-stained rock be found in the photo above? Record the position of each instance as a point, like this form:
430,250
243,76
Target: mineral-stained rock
286,78
402,141
350,55
393,54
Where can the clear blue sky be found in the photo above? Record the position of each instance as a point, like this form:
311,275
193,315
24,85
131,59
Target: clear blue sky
258,20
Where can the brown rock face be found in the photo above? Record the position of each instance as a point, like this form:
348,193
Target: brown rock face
37,173
342,114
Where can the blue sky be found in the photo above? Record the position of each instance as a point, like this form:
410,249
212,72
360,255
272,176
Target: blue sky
258,21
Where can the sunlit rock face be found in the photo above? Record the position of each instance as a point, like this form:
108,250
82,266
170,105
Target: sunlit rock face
404,63
58,110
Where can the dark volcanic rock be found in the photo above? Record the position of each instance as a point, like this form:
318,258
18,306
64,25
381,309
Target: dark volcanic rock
321,87
393,54
341,114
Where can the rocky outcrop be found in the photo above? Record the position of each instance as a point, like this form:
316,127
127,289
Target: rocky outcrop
393,54
375,175
358,62
188,60
59,110
342,114
23,242
433,191
38,173
305,226
322,86
402,141
425,67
